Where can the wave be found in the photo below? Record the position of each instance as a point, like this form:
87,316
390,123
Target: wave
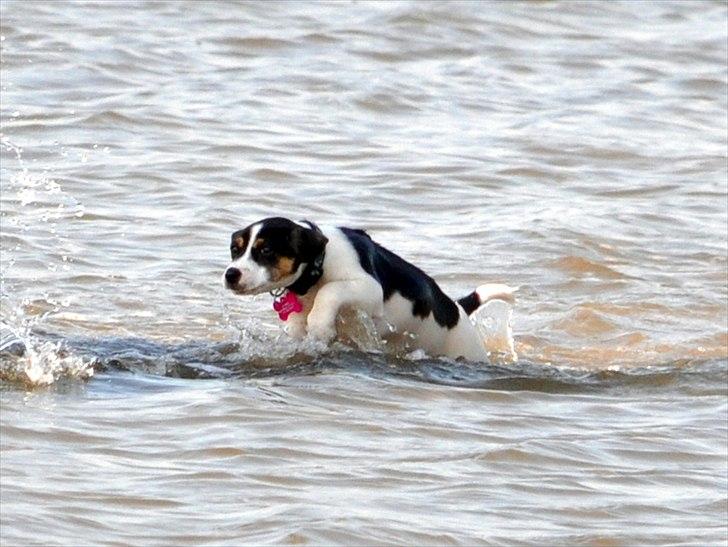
51,357
32,361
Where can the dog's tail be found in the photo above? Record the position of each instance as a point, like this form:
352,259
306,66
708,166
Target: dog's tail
486,293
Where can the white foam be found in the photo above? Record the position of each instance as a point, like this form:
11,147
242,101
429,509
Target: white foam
493,323
39,363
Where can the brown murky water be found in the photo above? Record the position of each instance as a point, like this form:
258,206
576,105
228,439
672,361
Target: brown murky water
576,149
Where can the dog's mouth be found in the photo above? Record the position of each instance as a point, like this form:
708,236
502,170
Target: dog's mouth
242,291
252,291
235,282
236,289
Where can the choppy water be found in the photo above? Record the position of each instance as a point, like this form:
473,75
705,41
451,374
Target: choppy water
577,149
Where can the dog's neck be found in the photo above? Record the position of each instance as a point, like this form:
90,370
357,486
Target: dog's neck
310,276
312,272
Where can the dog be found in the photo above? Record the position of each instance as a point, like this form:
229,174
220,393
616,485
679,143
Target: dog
316,272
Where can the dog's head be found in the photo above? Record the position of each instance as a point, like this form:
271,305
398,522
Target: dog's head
271,254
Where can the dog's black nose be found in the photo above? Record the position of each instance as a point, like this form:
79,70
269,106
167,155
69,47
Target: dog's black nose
232,276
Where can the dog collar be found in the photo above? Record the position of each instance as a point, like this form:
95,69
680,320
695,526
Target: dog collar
313,271
310,276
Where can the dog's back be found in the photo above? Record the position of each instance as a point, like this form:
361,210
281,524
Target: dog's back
415,303
396,275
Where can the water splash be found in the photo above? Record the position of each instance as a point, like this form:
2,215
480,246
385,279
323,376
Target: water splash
258,339
262,341
32,362
493,323
32,204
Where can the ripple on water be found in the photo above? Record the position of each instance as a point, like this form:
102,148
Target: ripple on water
578,266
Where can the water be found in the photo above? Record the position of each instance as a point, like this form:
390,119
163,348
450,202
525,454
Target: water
577,150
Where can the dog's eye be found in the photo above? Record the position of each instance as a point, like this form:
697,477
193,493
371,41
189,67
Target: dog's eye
266,251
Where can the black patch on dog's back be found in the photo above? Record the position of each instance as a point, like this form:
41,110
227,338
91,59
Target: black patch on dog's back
395,274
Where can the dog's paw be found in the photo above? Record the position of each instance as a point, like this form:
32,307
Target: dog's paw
296,329
324,331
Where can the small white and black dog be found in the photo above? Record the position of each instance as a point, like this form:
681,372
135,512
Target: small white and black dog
318,272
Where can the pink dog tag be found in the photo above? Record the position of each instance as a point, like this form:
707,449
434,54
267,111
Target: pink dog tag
287,304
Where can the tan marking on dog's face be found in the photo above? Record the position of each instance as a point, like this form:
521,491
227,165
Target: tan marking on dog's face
238,243
283,268
258,243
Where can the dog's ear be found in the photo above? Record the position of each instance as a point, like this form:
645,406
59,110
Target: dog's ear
309,243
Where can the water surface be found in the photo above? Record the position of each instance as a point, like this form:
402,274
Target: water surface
574,149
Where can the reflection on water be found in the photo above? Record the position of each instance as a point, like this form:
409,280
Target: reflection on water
577,150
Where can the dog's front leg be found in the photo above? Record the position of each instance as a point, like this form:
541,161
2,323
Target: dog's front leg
364,294
296,326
